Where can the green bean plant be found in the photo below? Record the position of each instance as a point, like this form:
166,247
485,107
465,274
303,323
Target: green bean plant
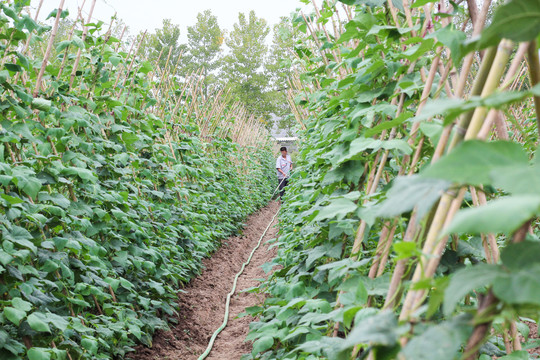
409,228
116,181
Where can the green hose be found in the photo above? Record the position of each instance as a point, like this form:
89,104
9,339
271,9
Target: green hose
228,302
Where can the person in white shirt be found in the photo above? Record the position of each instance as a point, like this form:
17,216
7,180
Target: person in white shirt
284,166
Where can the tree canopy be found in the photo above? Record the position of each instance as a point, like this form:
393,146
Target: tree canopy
241,62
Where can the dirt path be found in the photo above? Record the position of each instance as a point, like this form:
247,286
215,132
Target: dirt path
202,306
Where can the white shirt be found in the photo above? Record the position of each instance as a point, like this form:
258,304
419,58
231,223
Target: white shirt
284,164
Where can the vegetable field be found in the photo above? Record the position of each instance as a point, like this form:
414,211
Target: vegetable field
410,228
117,179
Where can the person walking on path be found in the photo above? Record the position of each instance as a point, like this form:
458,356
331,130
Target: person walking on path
284,167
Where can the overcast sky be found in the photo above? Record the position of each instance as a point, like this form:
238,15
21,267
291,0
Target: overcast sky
148,15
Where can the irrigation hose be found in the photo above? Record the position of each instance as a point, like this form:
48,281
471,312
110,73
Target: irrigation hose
233,290
281,182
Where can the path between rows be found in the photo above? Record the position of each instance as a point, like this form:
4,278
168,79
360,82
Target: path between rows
202,305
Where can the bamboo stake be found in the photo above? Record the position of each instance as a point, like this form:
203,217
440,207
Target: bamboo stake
79,52
534,77
430,258
49,49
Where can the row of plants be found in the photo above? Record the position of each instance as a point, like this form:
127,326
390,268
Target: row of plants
409,228
116,182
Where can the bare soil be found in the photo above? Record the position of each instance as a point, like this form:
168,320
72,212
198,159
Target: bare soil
533,334
202,304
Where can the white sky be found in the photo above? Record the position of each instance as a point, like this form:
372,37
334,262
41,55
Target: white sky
142,15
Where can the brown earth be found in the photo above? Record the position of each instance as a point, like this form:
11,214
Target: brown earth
202,305
533,334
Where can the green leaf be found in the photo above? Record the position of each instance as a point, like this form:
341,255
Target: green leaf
262,344
504,215
112,282
453,39
115,60
4,75
129,138
441,342
21,304
14,315
11,199
37,321
379,329
359,145
466,280
408,192
20,236
58,321
41,104
338,208
57,199
516,355
5,258
77,41
146,67
54,13
476,160
29,185
517,179
62,45
521,287
38,354
90,344
518,256
83,174
516,20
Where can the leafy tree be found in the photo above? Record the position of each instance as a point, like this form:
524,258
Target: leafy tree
278,69
205,40
243,66
161,42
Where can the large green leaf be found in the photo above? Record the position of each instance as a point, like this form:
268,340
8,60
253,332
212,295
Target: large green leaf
504,215
41,104
517,179
21,304
408,192
84,174
359,145
14,315
475,161
28,184
379,329
262,344
522,287
518,256
338,208
441,342
516,20
516,355
20,236
466,280
36,353
38,322
90,344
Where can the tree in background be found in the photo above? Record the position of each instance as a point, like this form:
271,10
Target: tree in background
278,69
243,68
205,40
161,42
